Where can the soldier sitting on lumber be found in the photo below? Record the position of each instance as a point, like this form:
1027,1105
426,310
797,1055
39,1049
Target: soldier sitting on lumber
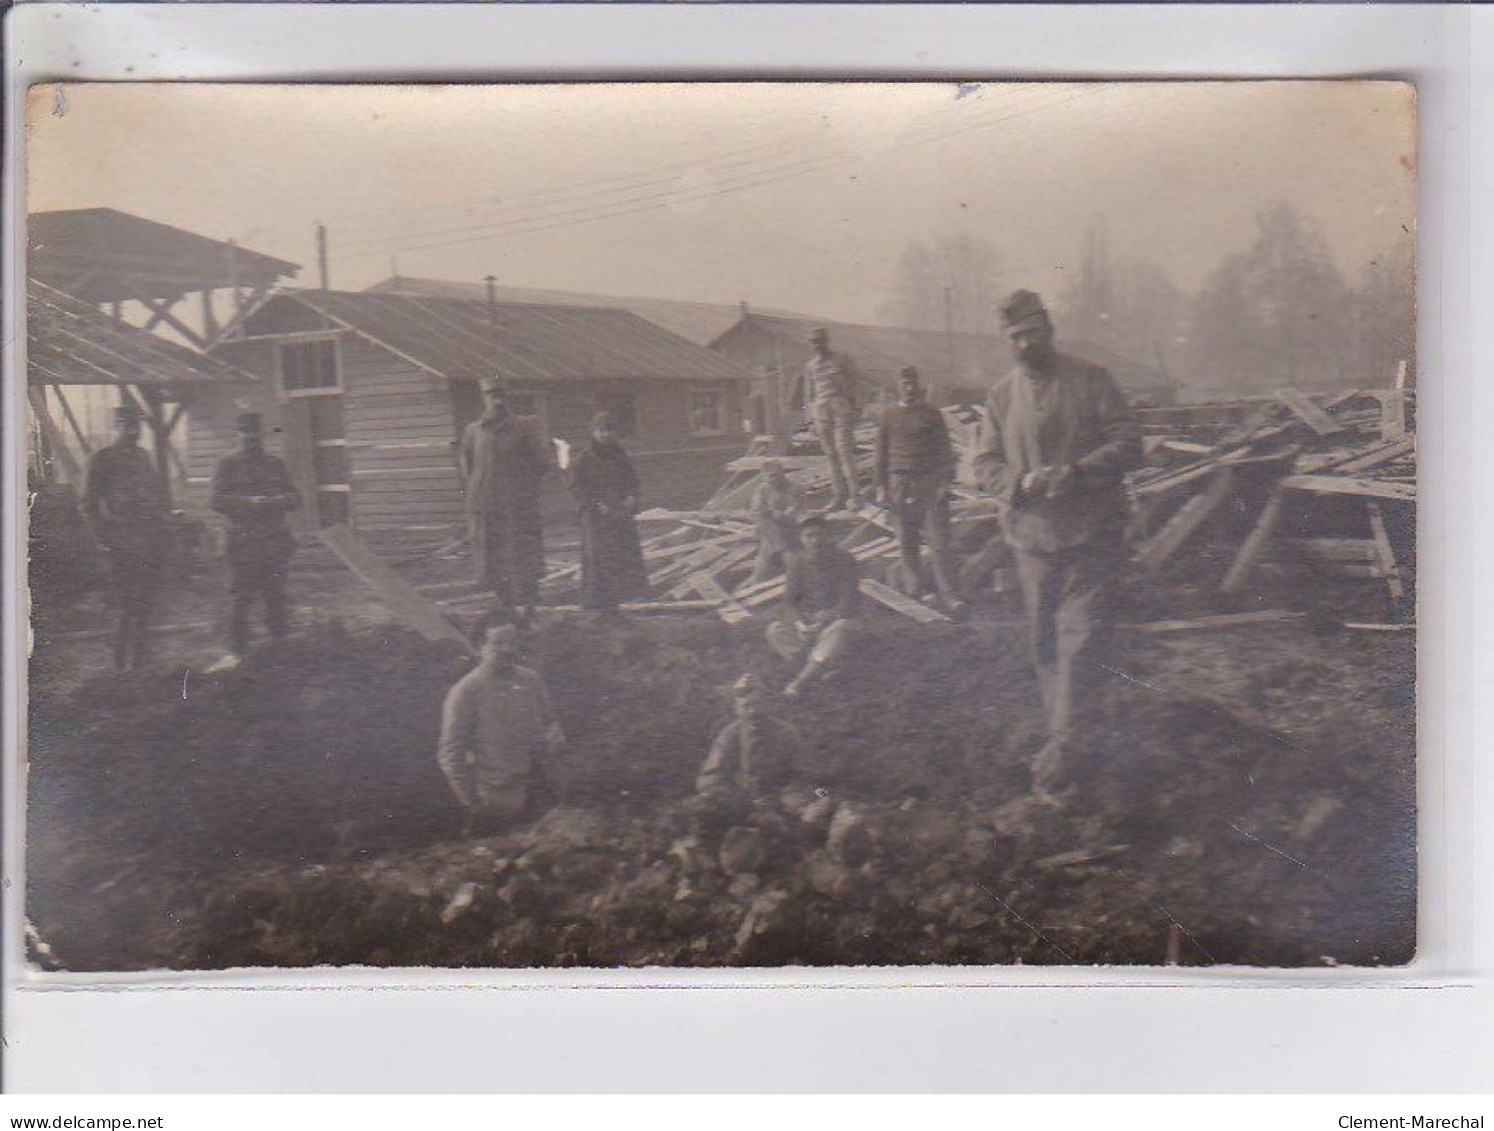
129,509
820,603
496,727
776,508
1058,439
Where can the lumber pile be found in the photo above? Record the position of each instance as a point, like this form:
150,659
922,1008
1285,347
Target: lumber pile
704,559
1233,497
1321,485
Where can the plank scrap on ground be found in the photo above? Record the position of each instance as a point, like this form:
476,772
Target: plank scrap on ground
726,608
1213,623
890,598
398,595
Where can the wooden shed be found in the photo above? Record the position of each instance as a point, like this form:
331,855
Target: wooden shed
370,392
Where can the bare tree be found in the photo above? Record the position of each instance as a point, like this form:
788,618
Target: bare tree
955,283
1278,315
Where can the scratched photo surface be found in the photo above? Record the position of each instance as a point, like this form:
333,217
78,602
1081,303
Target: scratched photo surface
721,525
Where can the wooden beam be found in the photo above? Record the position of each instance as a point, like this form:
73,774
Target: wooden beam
890,598
1209,624
67,412
659,514
209,319
1380,455
1389,569
1309,413
160,311
682,567
53,435
1334,485
1392,414
1182,526
726,607
1254,546
714,569
397,594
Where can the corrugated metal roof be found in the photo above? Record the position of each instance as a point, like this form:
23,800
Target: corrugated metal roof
102,254
698,322
71,342
467,339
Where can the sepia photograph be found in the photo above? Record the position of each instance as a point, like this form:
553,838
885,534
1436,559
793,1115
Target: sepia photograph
720,525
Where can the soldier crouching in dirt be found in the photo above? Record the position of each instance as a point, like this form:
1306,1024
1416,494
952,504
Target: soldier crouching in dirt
252,489
820,602
751,761
496,727
1057,443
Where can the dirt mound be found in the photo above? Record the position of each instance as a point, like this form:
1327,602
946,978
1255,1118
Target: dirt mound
290,813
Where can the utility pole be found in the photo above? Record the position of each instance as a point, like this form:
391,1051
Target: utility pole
324,276
949,365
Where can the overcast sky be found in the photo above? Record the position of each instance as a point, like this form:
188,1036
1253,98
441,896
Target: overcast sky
798,197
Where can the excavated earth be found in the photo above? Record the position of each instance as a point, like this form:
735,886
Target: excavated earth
1257,807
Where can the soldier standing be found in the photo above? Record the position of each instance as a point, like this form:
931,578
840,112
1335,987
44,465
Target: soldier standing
830,390
129,509
502,458
607,487
915,465
252,489
1056,445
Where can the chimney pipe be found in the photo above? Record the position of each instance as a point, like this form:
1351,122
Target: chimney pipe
492,284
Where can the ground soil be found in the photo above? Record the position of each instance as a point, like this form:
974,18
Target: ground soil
1255,803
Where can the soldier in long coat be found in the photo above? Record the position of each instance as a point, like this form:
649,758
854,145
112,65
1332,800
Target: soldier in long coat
129,510
503,457
607,489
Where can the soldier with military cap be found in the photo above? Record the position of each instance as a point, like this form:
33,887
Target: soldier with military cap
252,489
128,508
831,391
1057,443
503,457
915,470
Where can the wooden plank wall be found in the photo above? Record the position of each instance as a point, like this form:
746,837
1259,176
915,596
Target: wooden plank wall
401,434
211,413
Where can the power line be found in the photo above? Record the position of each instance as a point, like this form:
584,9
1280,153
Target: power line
546,206
651,201
668,172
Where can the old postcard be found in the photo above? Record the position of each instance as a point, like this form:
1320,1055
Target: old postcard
721,525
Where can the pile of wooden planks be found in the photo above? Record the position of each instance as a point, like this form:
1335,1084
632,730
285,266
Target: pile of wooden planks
704,559
1315,477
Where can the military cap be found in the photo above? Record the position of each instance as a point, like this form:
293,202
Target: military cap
1021,306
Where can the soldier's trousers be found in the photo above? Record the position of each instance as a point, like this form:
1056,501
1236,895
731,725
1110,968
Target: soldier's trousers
834,426
252,576
1068,595
920,510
